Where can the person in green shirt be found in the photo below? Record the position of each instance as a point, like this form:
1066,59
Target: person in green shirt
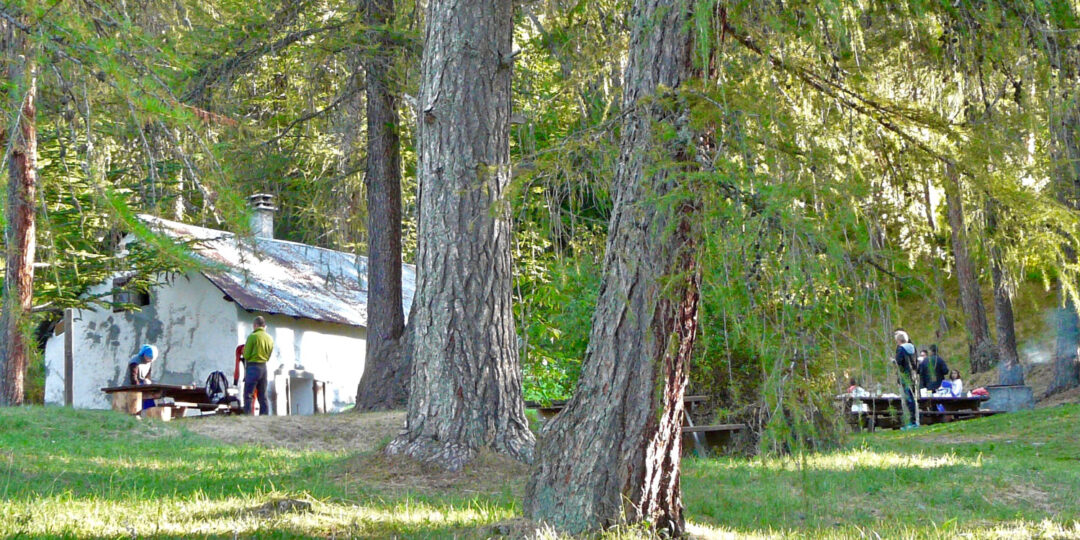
257,351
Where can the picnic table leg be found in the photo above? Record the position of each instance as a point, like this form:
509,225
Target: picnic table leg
127,402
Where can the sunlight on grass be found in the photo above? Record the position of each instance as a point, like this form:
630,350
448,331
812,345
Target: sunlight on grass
927,530
939,483
64,514
849,460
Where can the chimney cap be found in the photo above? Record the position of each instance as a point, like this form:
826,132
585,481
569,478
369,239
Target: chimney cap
262,201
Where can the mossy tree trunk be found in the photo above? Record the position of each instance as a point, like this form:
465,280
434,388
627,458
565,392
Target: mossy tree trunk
465,385
613,454
19,236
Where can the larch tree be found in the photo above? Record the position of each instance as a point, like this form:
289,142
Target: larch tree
20,144
465,388
1066,139
1010,370
939,283
384,384
613,454
980,346
1065,151
981,349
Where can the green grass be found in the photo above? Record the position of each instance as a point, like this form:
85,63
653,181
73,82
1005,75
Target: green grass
87,474
97,474
1015,474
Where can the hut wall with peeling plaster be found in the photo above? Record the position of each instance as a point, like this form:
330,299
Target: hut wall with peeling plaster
196,329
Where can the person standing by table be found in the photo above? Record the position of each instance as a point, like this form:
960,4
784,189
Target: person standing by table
905,363
932,370
257,351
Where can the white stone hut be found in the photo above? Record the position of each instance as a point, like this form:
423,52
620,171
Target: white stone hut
314,301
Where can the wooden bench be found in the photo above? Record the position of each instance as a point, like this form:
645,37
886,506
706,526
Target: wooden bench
948,416
701,440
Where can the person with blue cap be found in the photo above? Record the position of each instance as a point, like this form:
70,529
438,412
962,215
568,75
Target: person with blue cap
139,367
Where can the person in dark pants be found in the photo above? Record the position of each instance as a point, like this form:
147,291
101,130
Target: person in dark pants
932,370
257,352
905,362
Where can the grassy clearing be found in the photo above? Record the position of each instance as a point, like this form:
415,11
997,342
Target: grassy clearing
1016,474
93,474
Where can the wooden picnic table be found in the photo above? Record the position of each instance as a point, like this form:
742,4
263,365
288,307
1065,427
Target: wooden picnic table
696,439
887,411
128,399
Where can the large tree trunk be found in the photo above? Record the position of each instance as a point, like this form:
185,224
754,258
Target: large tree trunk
1066,135
1066,362
19,239
613,454
465,385
384,384
980,348
1010,371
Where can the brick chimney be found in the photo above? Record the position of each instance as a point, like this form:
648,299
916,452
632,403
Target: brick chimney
262,214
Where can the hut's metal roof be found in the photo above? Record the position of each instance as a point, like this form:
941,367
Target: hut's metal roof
281,277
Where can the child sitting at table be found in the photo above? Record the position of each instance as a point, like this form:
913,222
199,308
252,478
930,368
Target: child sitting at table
954,384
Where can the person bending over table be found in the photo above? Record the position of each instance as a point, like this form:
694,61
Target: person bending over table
139,374
139,366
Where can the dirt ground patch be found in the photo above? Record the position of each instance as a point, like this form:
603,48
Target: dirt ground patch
962,439
1038,377
355,432
1062,398
1026,494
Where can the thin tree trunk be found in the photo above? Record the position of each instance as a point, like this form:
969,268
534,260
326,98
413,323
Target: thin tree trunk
613,454
939,283
1010,371
19,236
465,385
384,384
980,347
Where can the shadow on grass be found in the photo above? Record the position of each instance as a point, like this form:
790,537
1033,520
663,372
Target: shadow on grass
91,474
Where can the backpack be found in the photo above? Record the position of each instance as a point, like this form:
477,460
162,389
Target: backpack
217,388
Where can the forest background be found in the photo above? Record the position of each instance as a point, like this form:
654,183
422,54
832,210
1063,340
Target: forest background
869,165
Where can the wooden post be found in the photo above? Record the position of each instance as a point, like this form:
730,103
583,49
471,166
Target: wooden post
69,357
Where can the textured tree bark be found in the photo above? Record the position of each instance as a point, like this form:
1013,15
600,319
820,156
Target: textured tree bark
385,379
465,384
19,236
613,454
1067,186
1010,371
980,348
1066,362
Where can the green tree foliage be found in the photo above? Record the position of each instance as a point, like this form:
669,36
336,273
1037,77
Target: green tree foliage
826,128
